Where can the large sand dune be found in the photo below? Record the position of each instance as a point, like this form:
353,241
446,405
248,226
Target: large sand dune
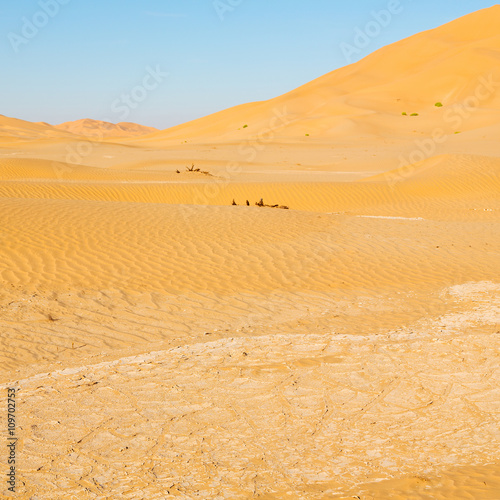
166,342
448,65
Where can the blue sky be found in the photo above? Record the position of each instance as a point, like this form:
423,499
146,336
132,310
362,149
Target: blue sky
69,59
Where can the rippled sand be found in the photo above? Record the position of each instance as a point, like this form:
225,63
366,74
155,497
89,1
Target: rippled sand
166,343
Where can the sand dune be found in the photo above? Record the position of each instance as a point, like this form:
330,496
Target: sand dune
166,341
12,129
88,127
449,64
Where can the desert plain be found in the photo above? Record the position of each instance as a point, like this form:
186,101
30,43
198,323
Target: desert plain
169,340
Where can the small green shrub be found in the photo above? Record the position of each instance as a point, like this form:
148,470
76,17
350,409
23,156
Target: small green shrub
405,113
439,105
414,114
458,132
307,135
245,126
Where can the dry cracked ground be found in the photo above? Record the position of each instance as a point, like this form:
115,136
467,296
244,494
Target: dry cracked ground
273,416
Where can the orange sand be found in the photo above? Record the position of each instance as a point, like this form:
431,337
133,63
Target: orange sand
167,343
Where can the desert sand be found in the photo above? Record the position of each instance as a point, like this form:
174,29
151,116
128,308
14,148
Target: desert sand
166,343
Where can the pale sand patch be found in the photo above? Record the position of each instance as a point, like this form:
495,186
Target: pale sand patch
310,416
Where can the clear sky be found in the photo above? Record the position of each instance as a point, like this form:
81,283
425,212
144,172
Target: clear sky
64,60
